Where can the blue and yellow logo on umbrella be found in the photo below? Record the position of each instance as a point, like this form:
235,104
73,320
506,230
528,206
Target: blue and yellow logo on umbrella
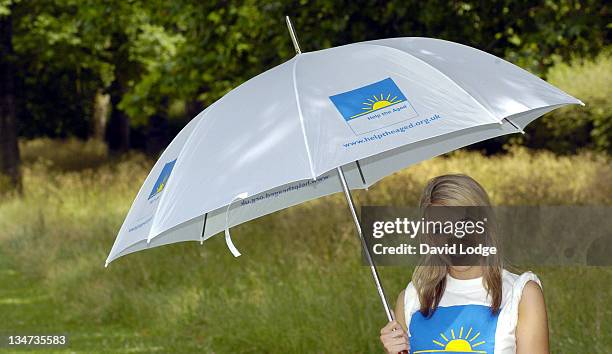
159,185
367,99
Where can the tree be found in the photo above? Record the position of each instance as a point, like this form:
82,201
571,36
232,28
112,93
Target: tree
152,56
71,51
9,148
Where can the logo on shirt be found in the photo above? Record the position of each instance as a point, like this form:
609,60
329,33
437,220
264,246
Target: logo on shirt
454,329
456,343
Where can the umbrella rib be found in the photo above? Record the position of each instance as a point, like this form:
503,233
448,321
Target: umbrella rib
299,108
441,73
203,228
360,172
200,117
514,125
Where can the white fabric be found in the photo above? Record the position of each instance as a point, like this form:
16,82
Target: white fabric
280,135
472,292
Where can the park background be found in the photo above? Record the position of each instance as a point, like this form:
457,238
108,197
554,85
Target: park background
92,91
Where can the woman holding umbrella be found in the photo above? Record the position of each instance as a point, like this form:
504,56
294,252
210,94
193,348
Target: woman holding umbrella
468,308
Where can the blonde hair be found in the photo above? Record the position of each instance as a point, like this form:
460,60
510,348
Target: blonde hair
429,277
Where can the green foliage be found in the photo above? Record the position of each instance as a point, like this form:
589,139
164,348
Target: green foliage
566,129
299,286
150,53
592,82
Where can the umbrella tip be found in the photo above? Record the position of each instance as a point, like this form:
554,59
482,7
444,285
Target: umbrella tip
293,35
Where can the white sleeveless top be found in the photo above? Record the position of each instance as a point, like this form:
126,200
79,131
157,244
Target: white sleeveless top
463,322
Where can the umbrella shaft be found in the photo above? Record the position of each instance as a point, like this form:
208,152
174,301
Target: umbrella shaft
379,287
293,35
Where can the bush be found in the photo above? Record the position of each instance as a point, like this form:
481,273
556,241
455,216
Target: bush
68,154
570,128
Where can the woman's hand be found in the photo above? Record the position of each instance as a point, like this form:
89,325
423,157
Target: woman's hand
394,339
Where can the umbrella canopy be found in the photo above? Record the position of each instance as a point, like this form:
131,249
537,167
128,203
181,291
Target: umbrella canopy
372,107
296,132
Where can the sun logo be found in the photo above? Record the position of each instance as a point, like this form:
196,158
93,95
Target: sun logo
375,103
457,344
373,106
162,179
161,186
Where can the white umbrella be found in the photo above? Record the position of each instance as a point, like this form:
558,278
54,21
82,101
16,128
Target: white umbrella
325,122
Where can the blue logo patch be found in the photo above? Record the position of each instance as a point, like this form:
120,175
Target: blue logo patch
159,185
454,329
367,99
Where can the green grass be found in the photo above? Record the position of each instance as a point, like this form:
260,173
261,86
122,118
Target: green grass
28,308
299,286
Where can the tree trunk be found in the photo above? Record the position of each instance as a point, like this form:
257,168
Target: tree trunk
118,130
101,108
9,148
157,130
